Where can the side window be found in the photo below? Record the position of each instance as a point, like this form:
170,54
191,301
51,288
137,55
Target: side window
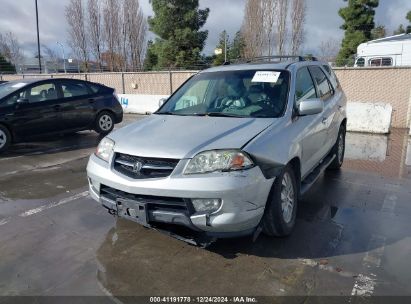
375,62
40,93
74,89
13,98
333,78
324,87
386,61
360,62
304,86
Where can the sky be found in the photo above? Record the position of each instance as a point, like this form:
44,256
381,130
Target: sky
323,22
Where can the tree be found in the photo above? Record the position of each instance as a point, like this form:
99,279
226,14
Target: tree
328,50
378,32
237,46
10,49
223,43
78,41
177,24
269,9
112,34
298,15
282,13
253,29
95,29
400,30
6,66
359,22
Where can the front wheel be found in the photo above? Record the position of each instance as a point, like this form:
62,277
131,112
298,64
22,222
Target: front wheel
104,123
338,150
281,209
5,138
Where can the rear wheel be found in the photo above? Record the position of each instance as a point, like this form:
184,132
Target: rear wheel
104,123
5,138
281,209
338,150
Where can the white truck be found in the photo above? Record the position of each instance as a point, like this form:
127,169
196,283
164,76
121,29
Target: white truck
388,51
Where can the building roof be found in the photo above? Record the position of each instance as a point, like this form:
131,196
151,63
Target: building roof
401,37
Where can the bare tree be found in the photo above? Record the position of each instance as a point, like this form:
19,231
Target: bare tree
52,58
282,13
77,30
329,49
112,33
10,48
298,14
137,31
269,8
95,27
253,29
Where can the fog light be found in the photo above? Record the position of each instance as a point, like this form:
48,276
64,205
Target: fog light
207,204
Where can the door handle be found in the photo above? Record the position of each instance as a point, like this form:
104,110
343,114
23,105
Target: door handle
57,107
91,100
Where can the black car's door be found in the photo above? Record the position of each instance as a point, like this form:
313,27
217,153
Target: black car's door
77,109
38,110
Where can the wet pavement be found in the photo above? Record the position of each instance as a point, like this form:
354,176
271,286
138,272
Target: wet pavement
353,234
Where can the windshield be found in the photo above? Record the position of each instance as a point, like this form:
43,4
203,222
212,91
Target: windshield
250,93
8,88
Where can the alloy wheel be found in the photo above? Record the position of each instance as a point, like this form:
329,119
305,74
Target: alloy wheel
287,198
105,122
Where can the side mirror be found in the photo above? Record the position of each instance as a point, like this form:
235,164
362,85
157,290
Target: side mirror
310,107
22,100
161,102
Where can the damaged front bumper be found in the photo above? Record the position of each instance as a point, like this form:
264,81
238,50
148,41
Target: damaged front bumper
168,200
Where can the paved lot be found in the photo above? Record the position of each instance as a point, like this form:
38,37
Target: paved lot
353,234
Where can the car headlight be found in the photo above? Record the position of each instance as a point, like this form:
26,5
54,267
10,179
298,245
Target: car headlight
105,149
218,160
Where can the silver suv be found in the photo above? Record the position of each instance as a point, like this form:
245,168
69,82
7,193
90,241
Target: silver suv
229,153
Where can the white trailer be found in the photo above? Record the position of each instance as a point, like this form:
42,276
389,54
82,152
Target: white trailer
389,51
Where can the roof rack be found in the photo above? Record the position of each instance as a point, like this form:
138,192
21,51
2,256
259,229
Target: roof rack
272,59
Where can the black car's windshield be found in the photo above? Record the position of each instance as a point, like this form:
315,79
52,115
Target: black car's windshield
10,87
246,93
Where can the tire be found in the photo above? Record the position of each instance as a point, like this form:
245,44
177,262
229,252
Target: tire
5,139
338,150
278,221
104,123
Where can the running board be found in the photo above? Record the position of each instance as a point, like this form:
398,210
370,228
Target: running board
313,176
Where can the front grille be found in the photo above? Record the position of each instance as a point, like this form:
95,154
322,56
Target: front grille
153,202
142,167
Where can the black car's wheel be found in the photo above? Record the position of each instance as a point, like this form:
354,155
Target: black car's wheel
281,209
104,123
5,138
338,150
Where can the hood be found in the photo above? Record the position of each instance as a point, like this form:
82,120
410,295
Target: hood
179,137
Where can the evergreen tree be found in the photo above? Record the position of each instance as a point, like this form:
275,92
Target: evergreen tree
409,19
400,30
5,66
359,22
177,24
237,47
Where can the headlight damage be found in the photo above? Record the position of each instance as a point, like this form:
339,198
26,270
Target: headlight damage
219,160
105,149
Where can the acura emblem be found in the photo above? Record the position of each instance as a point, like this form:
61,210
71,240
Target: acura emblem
138,165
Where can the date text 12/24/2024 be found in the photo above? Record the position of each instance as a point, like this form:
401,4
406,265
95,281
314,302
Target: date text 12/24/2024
203,300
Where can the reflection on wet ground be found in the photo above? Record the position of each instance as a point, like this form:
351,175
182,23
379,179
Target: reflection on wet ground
386,155
353,229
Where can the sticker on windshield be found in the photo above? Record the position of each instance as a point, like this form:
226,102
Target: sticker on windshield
18,85
266,76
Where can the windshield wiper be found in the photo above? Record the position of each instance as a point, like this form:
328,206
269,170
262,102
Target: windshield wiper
222,114
164,113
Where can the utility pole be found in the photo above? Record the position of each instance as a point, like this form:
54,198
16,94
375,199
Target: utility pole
64,56
38,35
225,46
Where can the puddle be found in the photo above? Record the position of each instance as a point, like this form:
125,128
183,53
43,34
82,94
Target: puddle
385,155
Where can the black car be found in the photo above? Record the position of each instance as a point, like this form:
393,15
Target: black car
55,106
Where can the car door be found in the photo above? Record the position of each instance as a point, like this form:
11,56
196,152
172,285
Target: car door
310,126
331,103
77,101
37,110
